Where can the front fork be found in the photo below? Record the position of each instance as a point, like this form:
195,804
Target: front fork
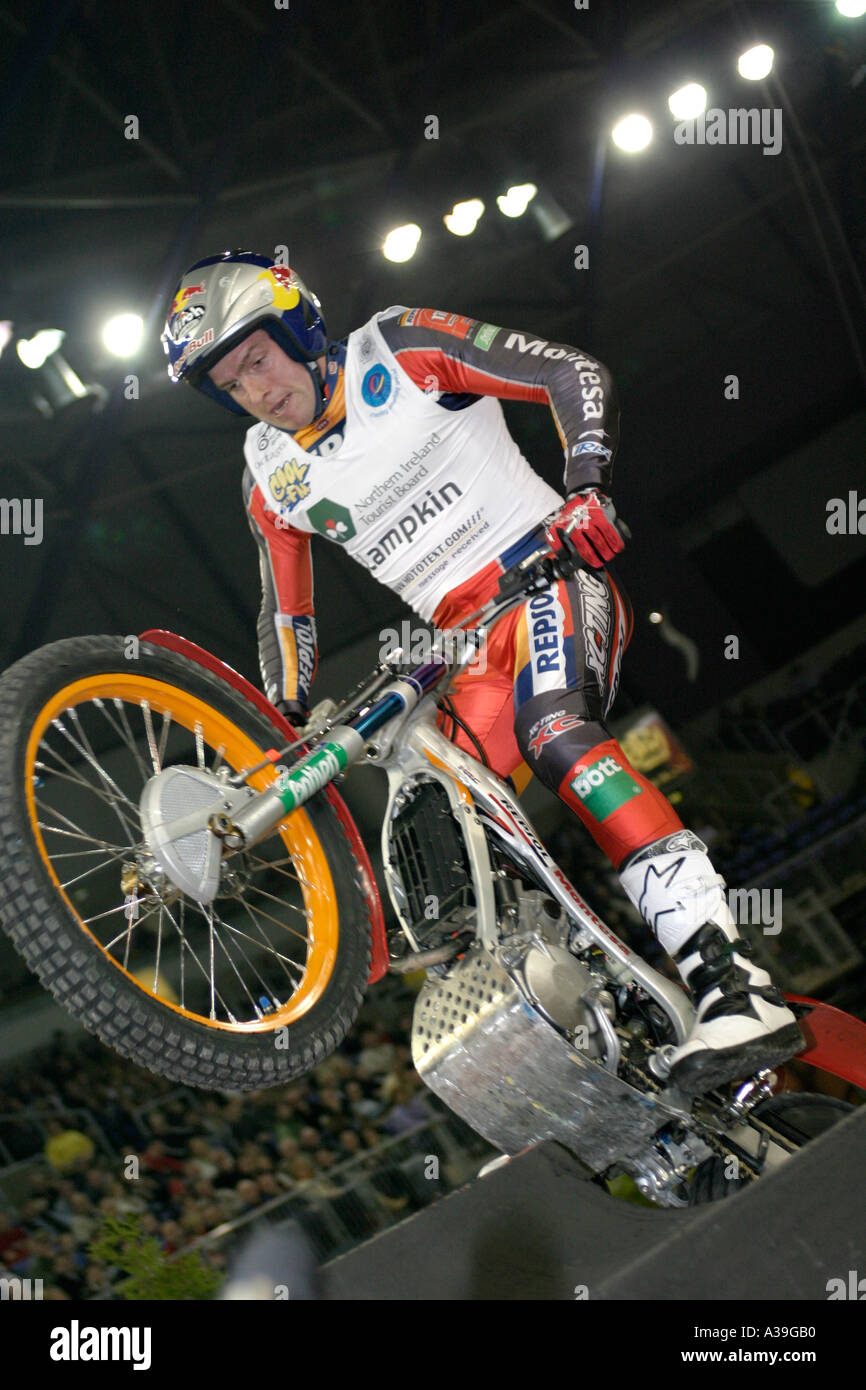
344,746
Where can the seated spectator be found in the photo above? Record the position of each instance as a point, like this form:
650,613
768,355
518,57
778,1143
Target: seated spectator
40,1262
329,1102
67,1276
96,1280
211,1216
202,1161
409,1111
302,1169
298,1098
68,1150
13,1241
360,1103
377,1053
272,1185
127,1198
288,1149
227,1173
172,1236
309,1139
371,1137
157,1159
82,1218
248,1196
350,1143
93,1181
173,1136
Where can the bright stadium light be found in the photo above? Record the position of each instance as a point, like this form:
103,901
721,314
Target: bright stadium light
123,334
632,134
756,62
463,217
515,201
401,243
36,350
851,9
688,102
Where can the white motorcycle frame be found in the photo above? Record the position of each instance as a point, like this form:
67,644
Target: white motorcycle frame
413,749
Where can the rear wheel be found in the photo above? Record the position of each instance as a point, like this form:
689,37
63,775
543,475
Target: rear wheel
798,1118
247,991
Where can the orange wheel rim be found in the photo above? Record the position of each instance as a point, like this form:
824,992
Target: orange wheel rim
296,832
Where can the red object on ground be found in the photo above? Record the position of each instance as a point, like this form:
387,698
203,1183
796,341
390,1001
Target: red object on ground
160,637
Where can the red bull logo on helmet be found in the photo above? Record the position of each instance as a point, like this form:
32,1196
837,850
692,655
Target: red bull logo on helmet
182,296
284,285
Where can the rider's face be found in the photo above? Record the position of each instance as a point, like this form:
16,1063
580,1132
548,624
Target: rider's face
261,378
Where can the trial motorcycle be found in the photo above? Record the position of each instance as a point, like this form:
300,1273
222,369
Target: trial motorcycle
179,870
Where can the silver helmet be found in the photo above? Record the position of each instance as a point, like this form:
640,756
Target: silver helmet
223,299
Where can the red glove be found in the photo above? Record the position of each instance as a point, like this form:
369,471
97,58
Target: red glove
585,523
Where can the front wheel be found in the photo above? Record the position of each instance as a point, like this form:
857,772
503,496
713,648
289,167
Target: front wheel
247,991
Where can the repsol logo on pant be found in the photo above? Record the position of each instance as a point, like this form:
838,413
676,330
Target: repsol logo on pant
305,645
545,633
408,525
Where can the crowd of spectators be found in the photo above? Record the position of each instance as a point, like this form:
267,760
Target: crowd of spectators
188,1163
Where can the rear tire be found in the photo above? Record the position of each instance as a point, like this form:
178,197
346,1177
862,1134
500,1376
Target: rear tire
799,1116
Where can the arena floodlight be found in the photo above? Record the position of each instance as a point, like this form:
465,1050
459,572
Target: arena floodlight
632,134
35,351
401,243
688,102
123,334
516,199
756,63
851,9
463,217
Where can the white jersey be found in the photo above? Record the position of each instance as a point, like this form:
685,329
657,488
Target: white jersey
421,496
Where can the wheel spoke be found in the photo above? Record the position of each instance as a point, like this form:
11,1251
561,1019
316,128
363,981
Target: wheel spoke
224,947
163,737
151,736
94,869
74,778
80,834
272,950
125,734
283,960
304,912
88,755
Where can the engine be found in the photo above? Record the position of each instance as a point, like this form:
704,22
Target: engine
534,951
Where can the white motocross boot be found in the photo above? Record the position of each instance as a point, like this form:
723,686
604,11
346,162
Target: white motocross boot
742,1023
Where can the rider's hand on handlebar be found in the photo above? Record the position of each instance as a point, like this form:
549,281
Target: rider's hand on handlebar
585,523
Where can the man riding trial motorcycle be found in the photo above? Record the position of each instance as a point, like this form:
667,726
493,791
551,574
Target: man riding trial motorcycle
392,444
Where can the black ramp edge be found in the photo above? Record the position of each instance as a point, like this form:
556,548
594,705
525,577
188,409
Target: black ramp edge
782,1238
534,1229
537,1229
